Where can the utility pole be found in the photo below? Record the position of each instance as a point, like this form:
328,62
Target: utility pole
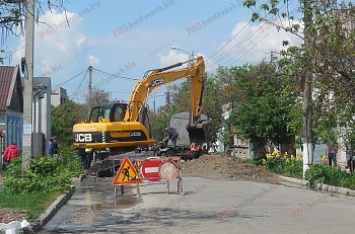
167,98
307,95
27,64
90,90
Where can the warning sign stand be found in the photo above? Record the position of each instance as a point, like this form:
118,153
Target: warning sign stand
161,168
126,175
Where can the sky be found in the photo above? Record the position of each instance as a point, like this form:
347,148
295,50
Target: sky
123,39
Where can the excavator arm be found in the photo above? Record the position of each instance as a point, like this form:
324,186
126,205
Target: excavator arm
159,77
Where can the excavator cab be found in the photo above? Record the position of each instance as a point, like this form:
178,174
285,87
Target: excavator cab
112,112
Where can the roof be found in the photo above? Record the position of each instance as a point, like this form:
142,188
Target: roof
8,75
42,80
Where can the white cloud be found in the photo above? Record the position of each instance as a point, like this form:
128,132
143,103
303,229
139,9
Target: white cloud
93,60
172,57
80,39
252,43
55,42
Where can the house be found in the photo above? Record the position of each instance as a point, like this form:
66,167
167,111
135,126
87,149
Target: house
11,107
59,96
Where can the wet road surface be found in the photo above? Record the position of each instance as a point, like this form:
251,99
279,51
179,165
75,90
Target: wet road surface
207,206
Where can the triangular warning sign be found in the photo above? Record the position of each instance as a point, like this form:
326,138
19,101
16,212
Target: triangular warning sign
126,174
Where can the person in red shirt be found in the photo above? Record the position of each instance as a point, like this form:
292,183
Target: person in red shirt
10,153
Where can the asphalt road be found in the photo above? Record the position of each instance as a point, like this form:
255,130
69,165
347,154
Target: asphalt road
206,206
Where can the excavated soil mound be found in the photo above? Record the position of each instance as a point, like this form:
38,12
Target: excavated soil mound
227,167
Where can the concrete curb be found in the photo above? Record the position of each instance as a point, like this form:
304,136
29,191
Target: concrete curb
289,181
50,211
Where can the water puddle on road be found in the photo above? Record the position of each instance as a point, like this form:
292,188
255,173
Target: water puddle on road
93,204
117,204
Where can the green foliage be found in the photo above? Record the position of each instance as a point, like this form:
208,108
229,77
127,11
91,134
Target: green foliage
327,53
213,99
35,188
329,175
291,166
287,165
34,204
63,119
267,109
68,162
162,120
249,3
43,174
348,182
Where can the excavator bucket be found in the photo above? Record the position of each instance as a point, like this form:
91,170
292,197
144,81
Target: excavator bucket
200,133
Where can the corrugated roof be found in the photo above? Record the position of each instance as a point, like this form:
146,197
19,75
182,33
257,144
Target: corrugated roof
7,81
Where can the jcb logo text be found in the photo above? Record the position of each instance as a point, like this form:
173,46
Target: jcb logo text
83,137
157,82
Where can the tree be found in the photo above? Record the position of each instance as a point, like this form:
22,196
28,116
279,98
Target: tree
99,97
220,89
327,55
267,110
63,119
212,104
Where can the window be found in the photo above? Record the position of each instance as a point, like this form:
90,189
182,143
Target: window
118,113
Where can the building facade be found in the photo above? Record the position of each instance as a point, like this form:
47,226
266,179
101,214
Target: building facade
59,96
11,107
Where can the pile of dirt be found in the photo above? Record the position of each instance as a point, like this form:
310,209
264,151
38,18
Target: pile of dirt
227,167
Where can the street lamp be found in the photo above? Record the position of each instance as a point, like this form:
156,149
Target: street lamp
191,55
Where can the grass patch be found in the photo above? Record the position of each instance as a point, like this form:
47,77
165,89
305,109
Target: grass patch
34,204
28,192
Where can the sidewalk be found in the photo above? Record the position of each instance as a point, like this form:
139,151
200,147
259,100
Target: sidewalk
293,182
51,211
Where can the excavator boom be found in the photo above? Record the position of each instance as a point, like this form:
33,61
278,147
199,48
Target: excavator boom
160,77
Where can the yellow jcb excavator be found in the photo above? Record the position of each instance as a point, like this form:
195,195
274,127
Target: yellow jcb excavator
116,128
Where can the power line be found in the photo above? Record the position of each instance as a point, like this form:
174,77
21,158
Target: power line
230,40
246,39
87,71
254,38
115,76
58,85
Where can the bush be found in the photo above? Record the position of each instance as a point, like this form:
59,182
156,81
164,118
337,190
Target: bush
348,182
329,175
44,174
293,167
287,165
36,187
